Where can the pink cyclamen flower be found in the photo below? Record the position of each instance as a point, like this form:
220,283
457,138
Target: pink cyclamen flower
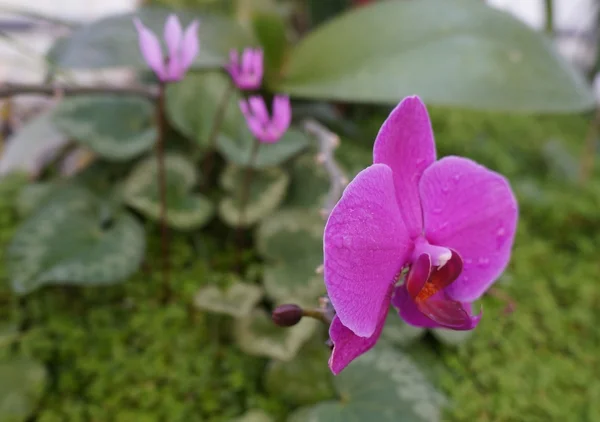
249,73
182,48
451,222
267,129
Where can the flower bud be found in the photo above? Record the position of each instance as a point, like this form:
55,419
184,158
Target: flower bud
287,315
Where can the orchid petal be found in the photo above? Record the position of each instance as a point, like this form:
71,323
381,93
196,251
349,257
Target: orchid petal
418,275
347,346
190,45
366,244
408,311
405,143
472,210
449,314
150,49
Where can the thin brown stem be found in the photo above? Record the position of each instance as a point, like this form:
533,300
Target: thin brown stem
12,89
244,195
209,159
162,186
586,165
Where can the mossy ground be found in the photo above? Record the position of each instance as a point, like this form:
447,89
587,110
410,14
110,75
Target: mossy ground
119,354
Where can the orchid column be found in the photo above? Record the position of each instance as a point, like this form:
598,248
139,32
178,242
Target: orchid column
182,48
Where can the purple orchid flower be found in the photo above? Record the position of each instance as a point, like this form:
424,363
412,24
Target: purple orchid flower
451,222
249,73
182,48
266,129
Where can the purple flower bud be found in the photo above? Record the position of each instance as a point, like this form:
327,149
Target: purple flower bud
287,315
267,129
182,48
249,73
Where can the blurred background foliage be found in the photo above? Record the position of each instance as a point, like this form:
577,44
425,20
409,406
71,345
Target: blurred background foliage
119,352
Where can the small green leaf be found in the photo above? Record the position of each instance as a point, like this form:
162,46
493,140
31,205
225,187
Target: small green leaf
115,127
304,380
399,332
237,300
22,386
113,41
292,243
381,385
192,107
258,335
185,210
71,240
309,184
254,415
451,337
452,53
267,190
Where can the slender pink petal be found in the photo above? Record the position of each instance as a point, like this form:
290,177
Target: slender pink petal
259,108
347,346
247,61
473,210
190,45
405,143
366,244
408,311
255,125
150,49
173,36
282,112
418,275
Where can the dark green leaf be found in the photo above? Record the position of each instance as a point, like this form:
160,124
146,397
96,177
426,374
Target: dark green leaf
454,53
116,127
70,241
382,385
185,210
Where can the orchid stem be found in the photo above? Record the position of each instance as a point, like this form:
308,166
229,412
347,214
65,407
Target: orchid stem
214,132
244,195
162,186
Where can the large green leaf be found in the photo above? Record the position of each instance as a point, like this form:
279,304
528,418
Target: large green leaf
382,385
454,53
399,332
74,239
115,127
192,106
292,243
113,41
22,386
185,210
304,380
267,190
258,335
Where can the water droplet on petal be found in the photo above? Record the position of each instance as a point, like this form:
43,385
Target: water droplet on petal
456,178
500,232
483,262
445,189
468,261
437,210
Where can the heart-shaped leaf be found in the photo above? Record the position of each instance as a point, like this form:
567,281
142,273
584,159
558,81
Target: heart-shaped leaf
267,191
74,239
237,300
22,386
381,385
115,127
454,53
185,210
258,335
33,196
399,332
113,41
309,183
304,380
193,105
292,243
254,415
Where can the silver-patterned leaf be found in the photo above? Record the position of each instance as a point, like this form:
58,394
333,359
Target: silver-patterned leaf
237,300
